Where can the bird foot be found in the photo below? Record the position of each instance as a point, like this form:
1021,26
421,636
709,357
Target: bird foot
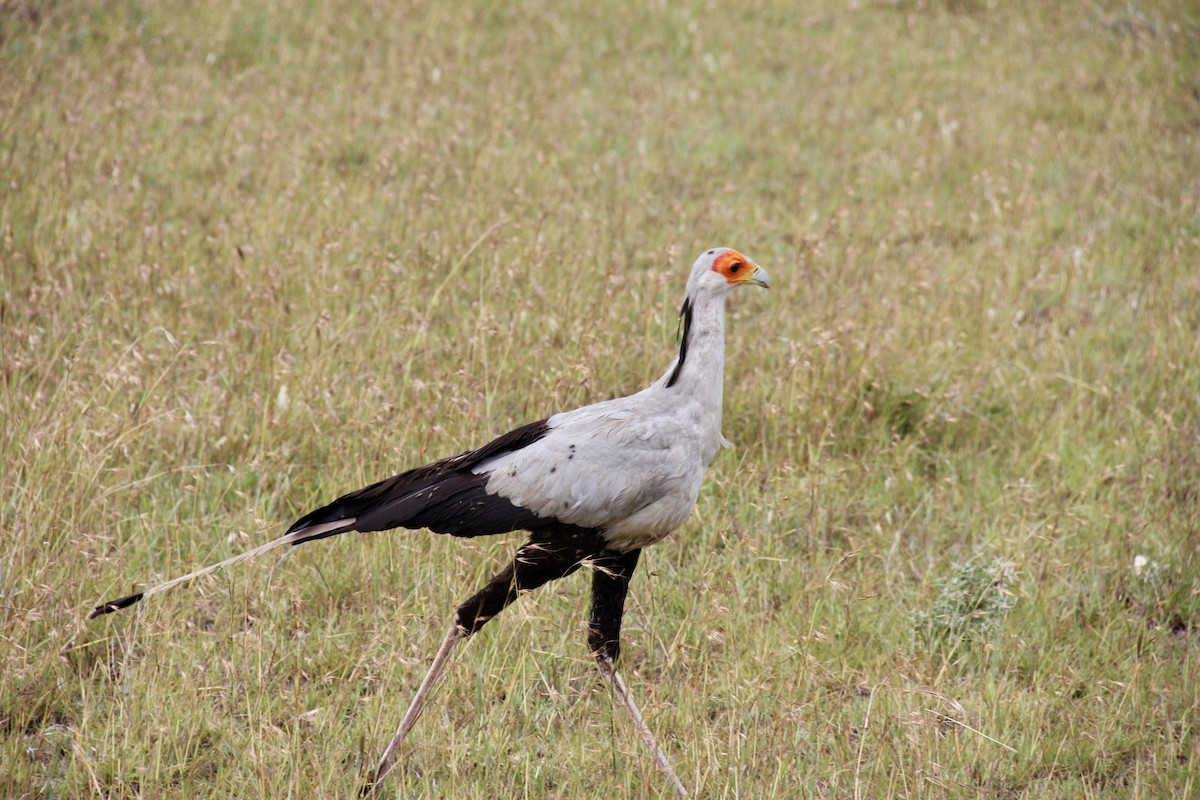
371,787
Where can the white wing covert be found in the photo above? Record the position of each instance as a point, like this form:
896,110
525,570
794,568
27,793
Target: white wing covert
598,466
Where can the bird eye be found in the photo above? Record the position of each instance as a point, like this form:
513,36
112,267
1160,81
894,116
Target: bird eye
734,267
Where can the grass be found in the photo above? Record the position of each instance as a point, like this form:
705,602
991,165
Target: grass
253,257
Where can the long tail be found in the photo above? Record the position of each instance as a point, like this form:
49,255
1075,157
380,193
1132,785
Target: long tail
292,537
447,496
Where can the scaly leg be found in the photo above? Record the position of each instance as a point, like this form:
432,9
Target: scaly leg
609,670
547,556
610,583
375,781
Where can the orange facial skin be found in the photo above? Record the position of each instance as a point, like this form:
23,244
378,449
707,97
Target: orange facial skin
734,266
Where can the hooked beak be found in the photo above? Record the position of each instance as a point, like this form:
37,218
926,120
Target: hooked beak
758,277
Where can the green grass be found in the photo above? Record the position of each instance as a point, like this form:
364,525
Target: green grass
254,256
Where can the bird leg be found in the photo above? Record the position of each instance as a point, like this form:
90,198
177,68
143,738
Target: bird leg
375,781
614,679
610,583
541,560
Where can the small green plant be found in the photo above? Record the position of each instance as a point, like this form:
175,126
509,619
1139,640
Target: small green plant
971,604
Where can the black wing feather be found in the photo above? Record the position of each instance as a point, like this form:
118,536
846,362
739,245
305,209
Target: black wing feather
444,496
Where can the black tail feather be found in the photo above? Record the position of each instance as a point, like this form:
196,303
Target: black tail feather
324,534
115,605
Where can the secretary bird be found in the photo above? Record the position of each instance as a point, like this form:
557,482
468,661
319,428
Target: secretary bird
592,486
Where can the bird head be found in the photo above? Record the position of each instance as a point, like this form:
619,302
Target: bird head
721,270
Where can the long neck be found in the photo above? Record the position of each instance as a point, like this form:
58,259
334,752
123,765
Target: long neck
698,372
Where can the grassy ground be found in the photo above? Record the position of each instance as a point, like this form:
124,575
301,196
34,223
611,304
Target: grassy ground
255,255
